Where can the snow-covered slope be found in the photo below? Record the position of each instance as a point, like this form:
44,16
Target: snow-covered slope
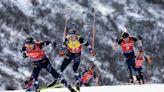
132,88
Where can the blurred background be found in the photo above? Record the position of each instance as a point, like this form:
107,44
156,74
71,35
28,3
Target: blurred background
45,19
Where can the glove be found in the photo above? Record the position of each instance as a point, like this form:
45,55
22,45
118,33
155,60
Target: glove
61,53
116,40
139,37
54,44
93,53
24,55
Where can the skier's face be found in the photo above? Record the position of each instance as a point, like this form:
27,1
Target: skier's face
126,39
140,54
29,46
72,37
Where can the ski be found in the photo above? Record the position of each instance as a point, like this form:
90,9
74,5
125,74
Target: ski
60,85
71,88
65,30
77,88
44,88
51,84
54,86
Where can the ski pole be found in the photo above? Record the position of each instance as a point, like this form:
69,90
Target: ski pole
94,30
65,30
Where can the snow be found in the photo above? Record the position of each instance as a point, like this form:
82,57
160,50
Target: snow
126,88
160,24
135,15
10,71
1,5
25,6
157,14
104,9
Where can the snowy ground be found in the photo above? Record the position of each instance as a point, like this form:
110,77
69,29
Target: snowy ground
125,88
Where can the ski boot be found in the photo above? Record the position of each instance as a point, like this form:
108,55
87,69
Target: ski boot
37,90
142,79
70,88
36,85
78,85
64,82
138,79
131,80
78,88
29,85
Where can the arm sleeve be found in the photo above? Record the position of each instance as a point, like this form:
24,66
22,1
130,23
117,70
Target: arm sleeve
84,72
85,43
120,41
146,59
23,51
134,39
64,45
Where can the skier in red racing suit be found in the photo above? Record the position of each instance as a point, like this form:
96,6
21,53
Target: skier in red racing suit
87,76
127,44
34,50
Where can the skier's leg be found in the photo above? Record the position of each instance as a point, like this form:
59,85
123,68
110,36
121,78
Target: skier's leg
35,74
65,63
141,75
78,85
75,66
137,75
130,71
127,57
131,63
47,65
134,70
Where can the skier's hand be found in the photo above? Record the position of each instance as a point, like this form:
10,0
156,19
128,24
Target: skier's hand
116,40
24,55
139,37
54,44
93,53
150,58
61,53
